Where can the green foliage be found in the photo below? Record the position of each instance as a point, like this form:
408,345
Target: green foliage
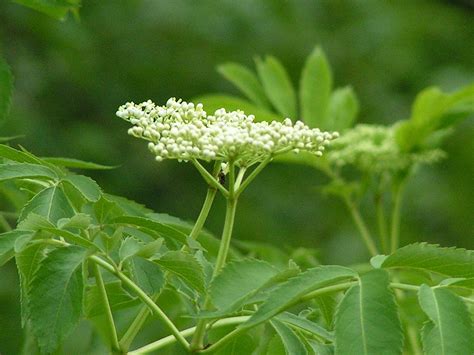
367,320
449,329
6,89
57,9
291,342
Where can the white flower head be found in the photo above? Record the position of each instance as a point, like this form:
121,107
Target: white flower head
183,131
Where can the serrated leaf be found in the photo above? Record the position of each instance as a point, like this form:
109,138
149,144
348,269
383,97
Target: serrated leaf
367,320
57,9
56,296
277,86
461,283
327,304
238,281
118,299
315,90
78,221
50,203
184,266
131,208
7,243
85,185
291,291
34,222
452,262
25,171
76,163
17,155
213,102
342,110
146,274
246,81
305,324
377,261
293,345
450,329
72,238
6,89
129,247
106,210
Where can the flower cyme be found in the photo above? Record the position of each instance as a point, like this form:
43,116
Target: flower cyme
183,131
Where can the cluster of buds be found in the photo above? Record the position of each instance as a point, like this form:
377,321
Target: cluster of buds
184,131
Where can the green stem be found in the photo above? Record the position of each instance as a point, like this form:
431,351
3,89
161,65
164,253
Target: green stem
211,180
240,177
382,223
361,226
328,289
4,223
198,338
144,297
108,312
252,176
206,207
395,228
170,339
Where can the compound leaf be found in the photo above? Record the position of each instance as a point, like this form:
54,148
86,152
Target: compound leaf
85,185
25,171
7,243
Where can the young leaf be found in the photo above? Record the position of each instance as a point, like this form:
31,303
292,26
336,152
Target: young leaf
56,296
6,89
25,171
343,109
367,320
130,246
85,185
291,291
277,86
291,342
78,221
76,164
449,330
7,243
186,267
50,203
146,274
238,281
245,80
453,262
315,89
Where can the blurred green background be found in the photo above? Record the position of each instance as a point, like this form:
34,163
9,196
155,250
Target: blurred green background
71,76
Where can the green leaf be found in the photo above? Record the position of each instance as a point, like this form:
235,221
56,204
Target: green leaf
306,325
246,81
34,222
275,346
146,274
17,155
76,163
78,221
7,243
343,109
56,296
367,320
277,86
57,9
50,203
118,299
72,238
327,304
243,344
291,342
459,283
321,349
452,262
85,185
162,229
291,291
213,102
184,266
449,330
129,207
129,247
105,210
6,89
25,171
315,90
238,281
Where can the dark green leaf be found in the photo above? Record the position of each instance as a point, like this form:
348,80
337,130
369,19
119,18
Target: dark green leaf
56,296
449,330
16,155
452,262
72,238
305,324
85,185
130,246
146,274
277,86
118,299
276,347
34,222
7,243
291,291
315,90
291,342
327,304
78,221
6,89
50,203
343,109
76,164
105,210
129,207
25,171
367,320
243,344
184,266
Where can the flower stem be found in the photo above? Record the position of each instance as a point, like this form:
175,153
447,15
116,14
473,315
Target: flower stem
361,226
198,338
144,297
382,223
108,312
211,180
252,176
395,228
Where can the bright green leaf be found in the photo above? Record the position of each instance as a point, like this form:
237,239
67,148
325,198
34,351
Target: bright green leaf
315,90
34,222
7,243
16,155
306,325
56,296
78,221
367,320
277,86
246,81
6,89
72,238
105,210
293,345
146,274
453,262
449,330
130,246
276,347
25,171
117,296
85,185
343,109
57,9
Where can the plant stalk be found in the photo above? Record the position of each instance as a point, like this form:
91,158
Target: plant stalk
395,227
382,222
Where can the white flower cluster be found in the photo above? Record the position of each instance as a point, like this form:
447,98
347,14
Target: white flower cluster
373,148
183,131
